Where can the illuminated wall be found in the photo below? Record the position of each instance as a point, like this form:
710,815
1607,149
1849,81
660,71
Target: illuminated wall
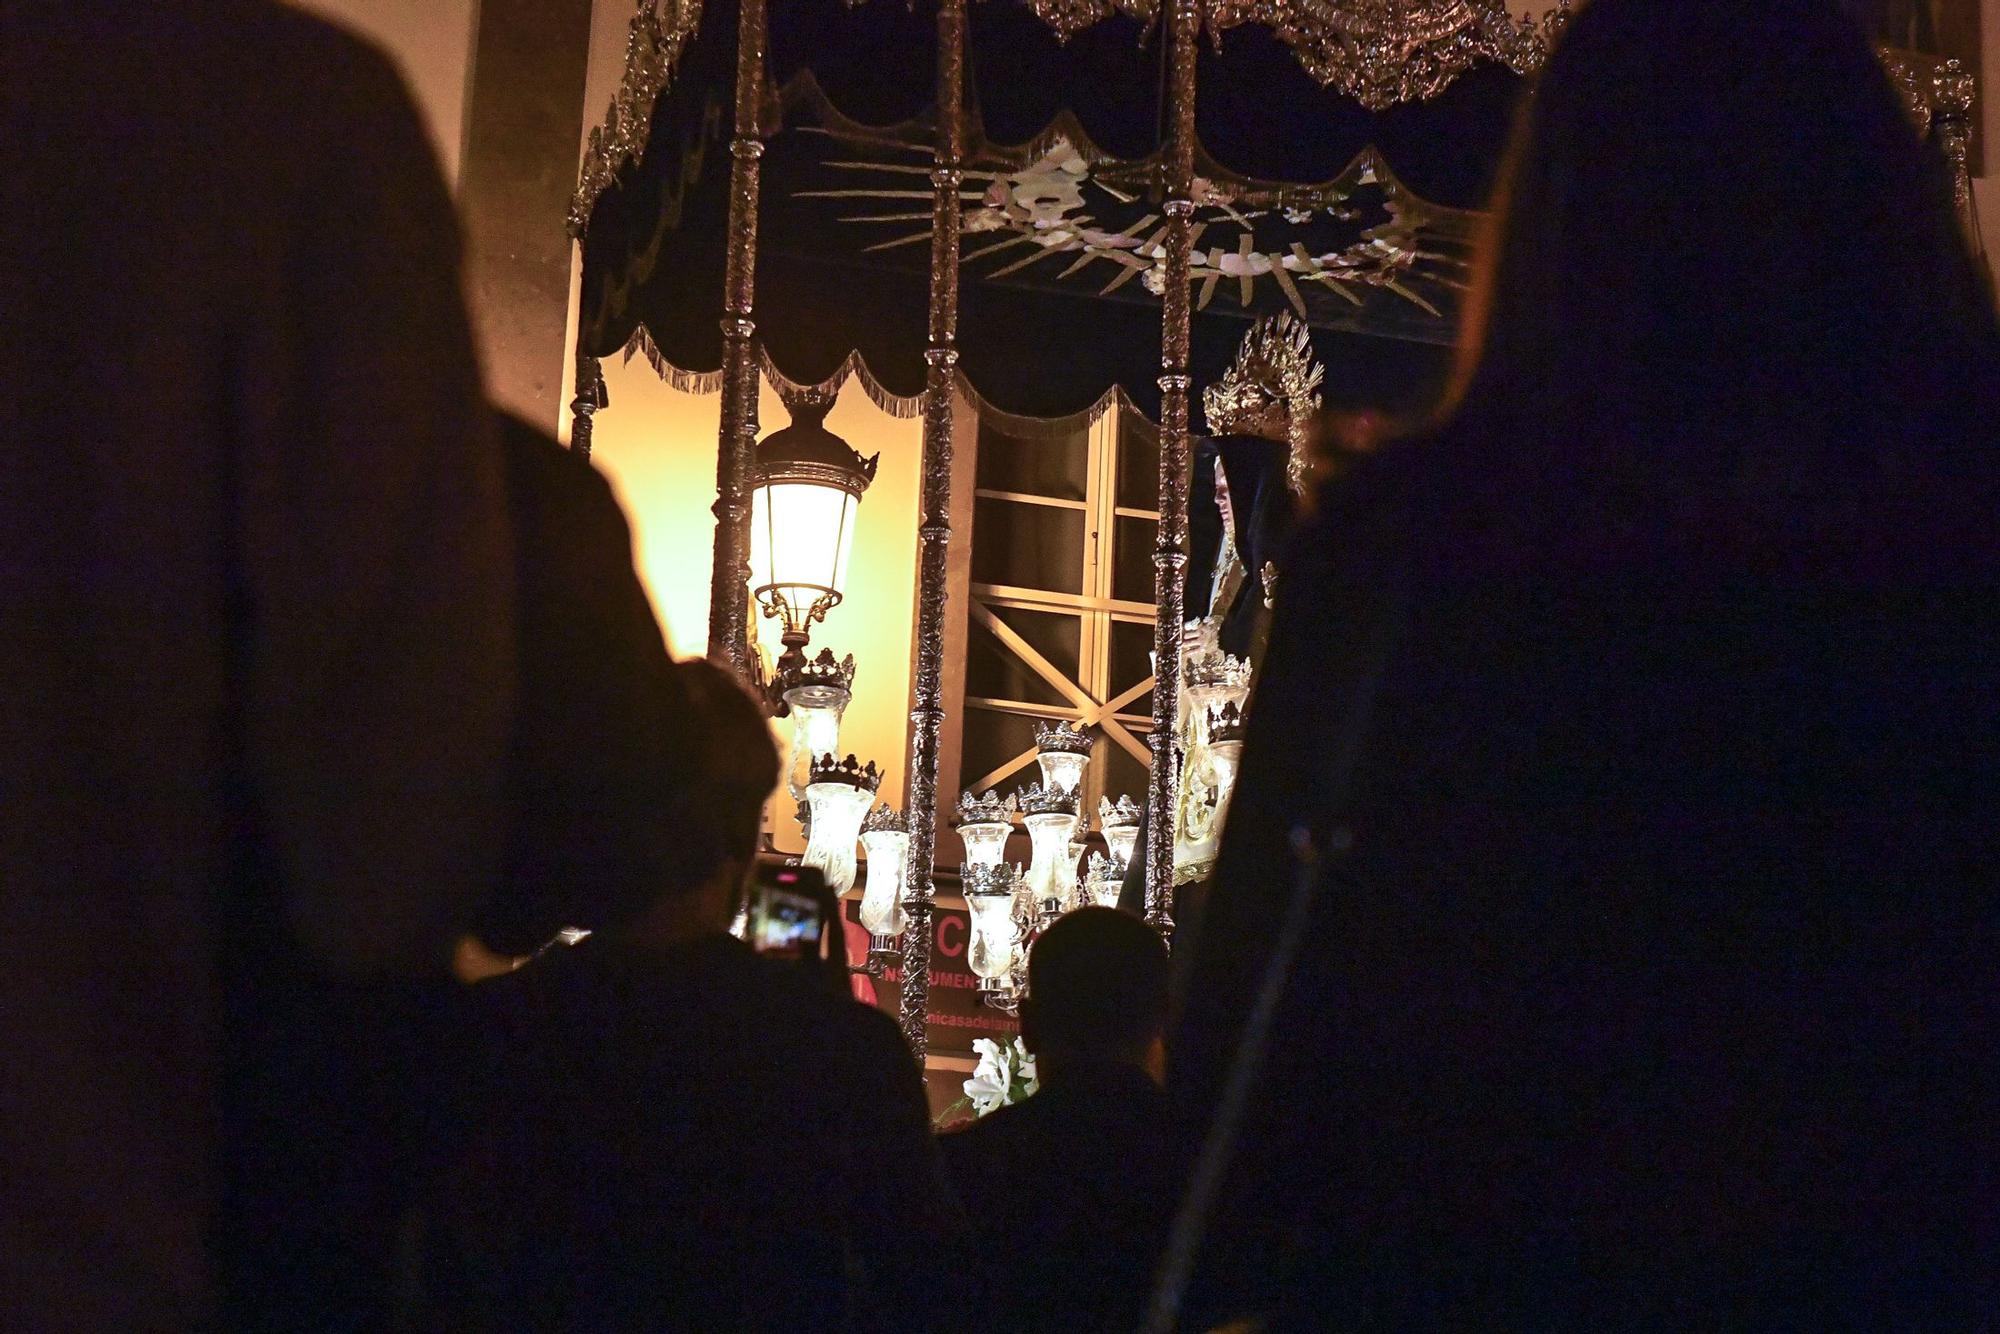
431,43
657,445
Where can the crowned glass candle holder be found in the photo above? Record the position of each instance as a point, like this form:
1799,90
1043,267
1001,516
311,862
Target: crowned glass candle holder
1073,866
1100,886
1063,752
989,901
1051,819
1214,679
1030,920
1120,822
1201,642
983,825
1225,753
816,695
1004,993
1197,829
839,795
886,840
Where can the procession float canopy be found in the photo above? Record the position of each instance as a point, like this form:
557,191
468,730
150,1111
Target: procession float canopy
1052,208
1340,153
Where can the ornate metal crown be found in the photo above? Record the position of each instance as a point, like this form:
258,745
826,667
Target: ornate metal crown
1274,365
825,769
1039,800
1000,878
1219,669
989,809
885,820
1122,814
1225,723
821,674
1063,736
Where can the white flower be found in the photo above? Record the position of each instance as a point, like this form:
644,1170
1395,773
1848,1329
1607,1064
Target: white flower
1004,1076
1026,1081
984,1094
987,1088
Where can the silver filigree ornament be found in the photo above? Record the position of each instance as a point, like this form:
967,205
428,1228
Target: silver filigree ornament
659,31
1386,52
1070,17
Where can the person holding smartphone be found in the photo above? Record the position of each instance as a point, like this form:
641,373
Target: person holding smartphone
671,1131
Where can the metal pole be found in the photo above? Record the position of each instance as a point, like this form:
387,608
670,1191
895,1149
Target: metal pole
589,398
941,356
728,603
1170,555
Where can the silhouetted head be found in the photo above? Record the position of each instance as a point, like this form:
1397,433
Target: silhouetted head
1097,990
731,772
1717,226
716,770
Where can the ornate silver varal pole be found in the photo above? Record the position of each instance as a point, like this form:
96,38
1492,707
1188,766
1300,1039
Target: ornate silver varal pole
1170,555
728,604
934,533
589,398
587,401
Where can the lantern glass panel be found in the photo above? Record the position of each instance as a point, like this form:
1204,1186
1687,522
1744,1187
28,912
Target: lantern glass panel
801,536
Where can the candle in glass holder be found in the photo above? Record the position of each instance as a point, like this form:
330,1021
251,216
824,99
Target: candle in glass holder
887,843
1120,823
1100,886
983,825
816,695
989,900
1051,817
1062,751
839,795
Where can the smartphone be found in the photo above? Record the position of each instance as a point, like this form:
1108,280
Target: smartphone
789,911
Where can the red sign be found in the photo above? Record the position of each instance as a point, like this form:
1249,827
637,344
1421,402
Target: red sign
956,1016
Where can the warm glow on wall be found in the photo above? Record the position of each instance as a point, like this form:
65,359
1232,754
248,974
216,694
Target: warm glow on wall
657,445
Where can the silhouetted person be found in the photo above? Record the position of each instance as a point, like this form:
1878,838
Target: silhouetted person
586,772
257,662
1069,1191
1645,718
677,1134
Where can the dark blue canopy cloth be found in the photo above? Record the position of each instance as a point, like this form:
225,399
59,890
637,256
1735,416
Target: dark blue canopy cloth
1358,221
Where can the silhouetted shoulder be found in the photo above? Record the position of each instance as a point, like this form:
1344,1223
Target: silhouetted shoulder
1362,510
875,1038
299,51
243,46
560,477
970,1149
861,1034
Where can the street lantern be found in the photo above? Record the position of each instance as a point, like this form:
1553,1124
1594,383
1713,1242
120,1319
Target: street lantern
808,482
